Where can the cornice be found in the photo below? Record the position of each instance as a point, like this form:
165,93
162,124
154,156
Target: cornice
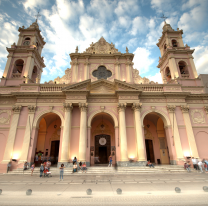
173,51
76,85
166,32
178,94
25,94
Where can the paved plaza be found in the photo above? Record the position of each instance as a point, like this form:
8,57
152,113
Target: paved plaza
139,189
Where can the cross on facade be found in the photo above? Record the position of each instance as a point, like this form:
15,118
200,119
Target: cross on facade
38,15
163,17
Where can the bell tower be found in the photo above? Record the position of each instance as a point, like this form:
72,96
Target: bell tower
24,63
176,62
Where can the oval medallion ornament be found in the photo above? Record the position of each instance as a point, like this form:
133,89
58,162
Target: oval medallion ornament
102,141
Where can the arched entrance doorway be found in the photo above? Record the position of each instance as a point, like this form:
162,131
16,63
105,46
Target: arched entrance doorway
102,142
47,143
155,139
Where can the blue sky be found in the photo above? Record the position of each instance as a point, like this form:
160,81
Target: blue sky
136,24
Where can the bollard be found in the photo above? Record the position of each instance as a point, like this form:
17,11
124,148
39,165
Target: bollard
178,190
119,191
29,192
0,191
205,188
89,191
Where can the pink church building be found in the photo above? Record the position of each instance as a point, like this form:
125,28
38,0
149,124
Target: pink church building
101,106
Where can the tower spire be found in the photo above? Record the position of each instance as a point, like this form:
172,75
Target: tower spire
38,15
164,18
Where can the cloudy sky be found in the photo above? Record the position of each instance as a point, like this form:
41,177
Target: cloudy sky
136,24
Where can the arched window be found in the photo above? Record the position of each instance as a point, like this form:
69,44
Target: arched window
165,47
18,67
34,73
183,69
167,74
174,43
26,41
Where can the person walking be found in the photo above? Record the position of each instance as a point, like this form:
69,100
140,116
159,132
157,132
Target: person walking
200,164
80,165
110,159
195,163
9,166
48,165
32,168
61,171
41,169
206,165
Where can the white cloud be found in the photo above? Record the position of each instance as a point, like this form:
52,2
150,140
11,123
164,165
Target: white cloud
142,60
139,25
30,4
190,4
156,78
162,6
129,7
201,59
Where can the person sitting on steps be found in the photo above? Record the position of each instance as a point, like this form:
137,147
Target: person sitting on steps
150,164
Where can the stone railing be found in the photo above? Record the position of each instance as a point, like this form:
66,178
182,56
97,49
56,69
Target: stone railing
51,88
152,88
185,76
16,75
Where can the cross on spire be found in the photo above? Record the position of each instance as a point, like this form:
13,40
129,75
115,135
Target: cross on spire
38,15
163,17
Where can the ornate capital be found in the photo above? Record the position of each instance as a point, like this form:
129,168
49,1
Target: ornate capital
83,107
31,108
171,108
16,108
121,107
67,107
206,109
137,106
184,108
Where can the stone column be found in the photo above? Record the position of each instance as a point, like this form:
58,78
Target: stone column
139,135
189,130
27,67
83,132
65,147
177,140
193,67
122,132
87,69
74,71
129,71
12,134
117,73
27,137
6,70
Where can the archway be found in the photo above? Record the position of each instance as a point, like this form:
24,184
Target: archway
157,147
47,142
102,140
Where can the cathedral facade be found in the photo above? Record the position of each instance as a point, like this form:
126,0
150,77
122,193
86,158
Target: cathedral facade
101,106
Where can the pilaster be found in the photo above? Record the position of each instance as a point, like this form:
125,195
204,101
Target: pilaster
6,70
12,134
193,67
122,131
117,68
83,132
27,137
139,136
177,140
65,150
87,64
189,130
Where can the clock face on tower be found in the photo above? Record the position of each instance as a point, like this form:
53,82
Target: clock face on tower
26,43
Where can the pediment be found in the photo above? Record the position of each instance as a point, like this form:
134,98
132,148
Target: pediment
102,86
84,85
123,86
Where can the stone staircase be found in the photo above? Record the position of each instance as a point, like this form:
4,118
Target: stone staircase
100,170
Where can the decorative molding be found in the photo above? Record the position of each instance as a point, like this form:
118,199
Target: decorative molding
175,100
153,100
102,100
121,107
128,97
26,100
7,102
29,88
185,108
68,107
197,119
206,109
171,108
31,108
102,108
5,120
137,106
17,109
75,97
50,100
83,107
